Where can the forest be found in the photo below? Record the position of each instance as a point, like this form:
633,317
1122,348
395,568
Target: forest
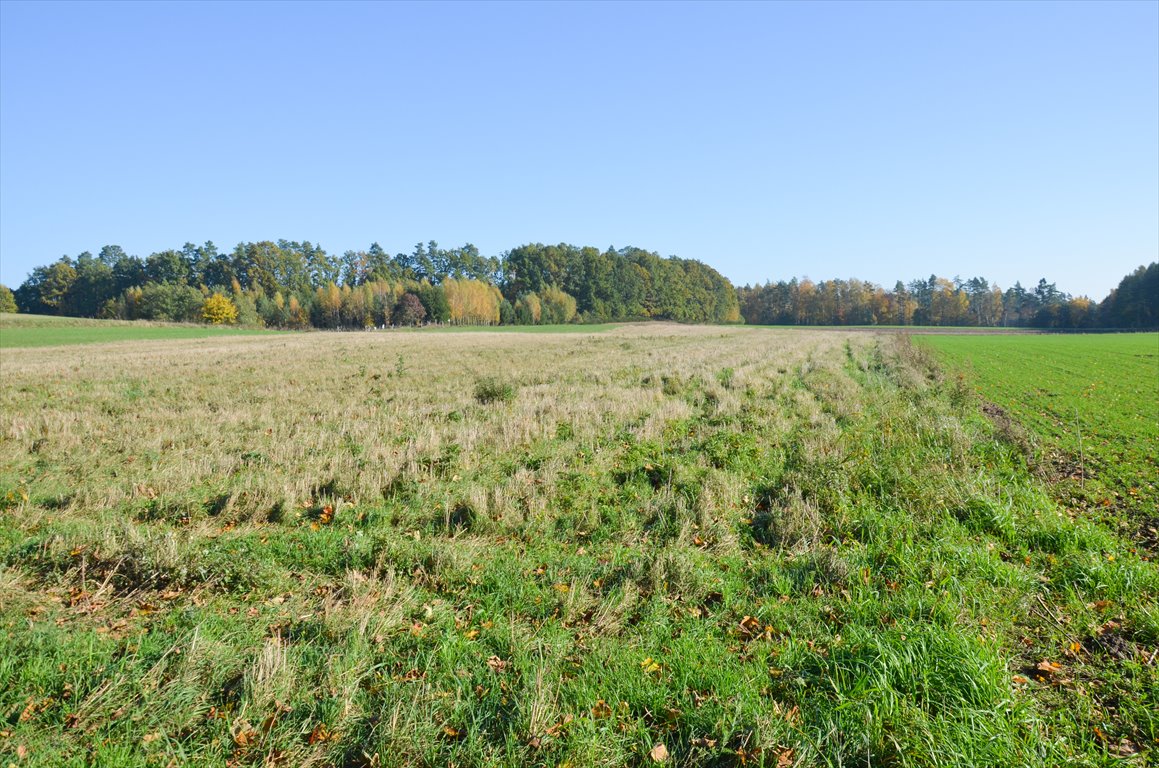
289,284
298,285
942,302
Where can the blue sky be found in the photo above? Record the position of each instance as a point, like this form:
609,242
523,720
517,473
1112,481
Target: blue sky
880,141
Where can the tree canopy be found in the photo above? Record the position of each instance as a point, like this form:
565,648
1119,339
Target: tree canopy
290,284
295,285
944,302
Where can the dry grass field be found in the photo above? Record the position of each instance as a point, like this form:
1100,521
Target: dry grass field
651,545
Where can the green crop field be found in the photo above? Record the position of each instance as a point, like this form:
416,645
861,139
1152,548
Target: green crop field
1092,404
45,331
655,545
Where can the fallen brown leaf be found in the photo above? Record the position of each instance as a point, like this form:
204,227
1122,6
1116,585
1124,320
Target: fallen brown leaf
245,736
322,733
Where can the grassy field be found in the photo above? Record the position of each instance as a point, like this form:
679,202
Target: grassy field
46,331
655,545
589,328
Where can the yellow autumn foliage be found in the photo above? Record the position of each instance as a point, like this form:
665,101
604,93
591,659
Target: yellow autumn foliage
218,310
472,302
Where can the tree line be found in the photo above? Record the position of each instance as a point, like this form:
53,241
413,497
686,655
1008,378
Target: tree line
288,284
943,302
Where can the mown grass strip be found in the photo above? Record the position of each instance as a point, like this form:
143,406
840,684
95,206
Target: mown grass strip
551,329
20,331
13,338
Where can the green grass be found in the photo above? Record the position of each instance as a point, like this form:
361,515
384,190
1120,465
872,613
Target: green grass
916,330
1091,402
750,546
44,331
1084,411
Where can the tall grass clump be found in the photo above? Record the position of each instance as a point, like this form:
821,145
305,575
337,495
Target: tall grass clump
490,389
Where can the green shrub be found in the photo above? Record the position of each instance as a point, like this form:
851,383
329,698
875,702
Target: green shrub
494,390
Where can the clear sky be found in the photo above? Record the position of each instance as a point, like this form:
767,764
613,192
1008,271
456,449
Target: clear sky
879,141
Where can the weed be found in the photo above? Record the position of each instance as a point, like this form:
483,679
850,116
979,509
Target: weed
494,390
